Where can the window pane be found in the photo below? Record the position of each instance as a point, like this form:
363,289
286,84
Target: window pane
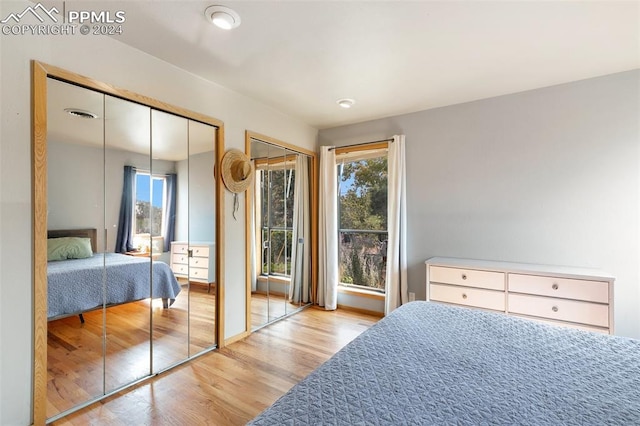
281,252
277,199
290,188
143,204
362,203
363,194
276,207
149,206
157,206
363,259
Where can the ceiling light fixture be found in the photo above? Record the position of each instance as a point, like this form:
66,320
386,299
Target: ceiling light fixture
222,17
346,103
80,113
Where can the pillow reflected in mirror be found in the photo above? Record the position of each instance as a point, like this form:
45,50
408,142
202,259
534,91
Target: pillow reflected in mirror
64,248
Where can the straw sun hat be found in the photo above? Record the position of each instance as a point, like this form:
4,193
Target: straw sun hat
237,171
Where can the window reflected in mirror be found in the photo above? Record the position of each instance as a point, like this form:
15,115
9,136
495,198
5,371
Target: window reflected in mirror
279,224
131,221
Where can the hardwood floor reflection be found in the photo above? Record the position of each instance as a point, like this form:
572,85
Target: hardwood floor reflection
75,366
266,309
232,385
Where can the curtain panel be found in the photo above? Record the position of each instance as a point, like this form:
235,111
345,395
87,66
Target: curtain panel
301,238
124,237
169,225
396,279
328,274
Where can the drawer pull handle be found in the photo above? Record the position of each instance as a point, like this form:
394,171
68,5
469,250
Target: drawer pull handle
554,309
464,296
554,286
464,276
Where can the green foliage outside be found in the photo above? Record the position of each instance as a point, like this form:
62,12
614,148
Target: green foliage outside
148,218
277,188
363,207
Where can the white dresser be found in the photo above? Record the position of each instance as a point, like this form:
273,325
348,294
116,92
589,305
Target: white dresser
566,296
194,261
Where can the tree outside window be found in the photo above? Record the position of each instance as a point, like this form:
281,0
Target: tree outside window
277,220
362,206
149,208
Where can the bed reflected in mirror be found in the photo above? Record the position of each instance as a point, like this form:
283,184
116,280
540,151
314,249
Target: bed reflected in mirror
131,262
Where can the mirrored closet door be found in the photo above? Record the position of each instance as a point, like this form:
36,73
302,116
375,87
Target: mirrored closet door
280,230
125,252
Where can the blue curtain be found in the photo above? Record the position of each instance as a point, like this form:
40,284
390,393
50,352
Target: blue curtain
124,239
170,215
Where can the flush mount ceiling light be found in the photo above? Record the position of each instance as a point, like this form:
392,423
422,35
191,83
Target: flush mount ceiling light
222,17
346,103
80,113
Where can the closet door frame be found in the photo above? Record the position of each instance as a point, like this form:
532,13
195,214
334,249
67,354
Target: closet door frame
313,205
40,72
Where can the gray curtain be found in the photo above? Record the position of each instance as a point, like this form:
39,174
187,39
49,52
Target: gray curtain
300,290
169,225
124,238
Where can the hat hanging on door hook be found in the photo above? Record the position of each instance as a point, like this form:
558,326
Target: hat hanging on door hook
237,171
237,174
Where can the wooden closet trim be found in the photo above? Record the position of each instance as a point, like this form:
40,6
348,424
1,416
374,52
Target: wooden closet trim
313,187
39,73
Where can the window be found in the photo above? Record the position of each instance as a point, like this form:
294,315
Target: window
362,219
149,210
276,207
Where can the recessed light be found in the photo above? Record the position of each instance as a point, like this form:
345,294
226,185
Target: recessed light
80,113
222,17
346,103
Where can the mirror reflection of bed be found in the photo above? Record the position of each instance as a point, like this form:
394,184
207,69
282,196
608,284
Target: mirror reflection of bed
137,183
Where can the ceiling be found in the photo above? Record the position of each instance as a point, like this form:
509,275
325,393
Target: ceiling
122,125
392,57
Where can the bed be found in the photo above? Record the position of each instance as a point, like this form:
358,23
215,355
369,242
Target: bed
75,286
435,364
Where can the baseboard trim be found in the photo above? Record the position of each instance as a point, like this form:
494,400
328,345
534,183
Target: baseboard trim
361,311
236,338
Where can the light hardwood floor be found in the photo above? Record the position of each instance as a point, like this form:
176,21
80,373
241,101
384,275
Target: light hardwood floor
232,385
75,366
265,309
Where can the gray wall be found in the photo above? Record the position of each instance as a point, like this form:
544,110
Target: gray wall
196,210
546,176
78,196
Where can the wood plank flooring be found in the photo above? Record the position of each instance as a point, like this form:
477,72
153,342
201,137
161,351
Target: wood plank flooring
232,385
265,309
76,371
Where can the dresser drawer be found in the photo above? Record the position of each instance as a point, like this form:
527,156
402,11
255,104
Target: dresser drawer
564,324
468,296
566,288
180,258
560,309
180,269
199,274
199,262
180,248
467,277
200,251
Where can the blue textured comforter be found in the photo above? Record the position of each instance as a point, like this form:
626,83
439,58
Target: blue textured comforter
78,285
432,364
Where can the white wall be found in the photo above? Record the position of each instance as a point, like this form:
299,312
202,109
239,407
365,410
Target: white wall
107,60
547,176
